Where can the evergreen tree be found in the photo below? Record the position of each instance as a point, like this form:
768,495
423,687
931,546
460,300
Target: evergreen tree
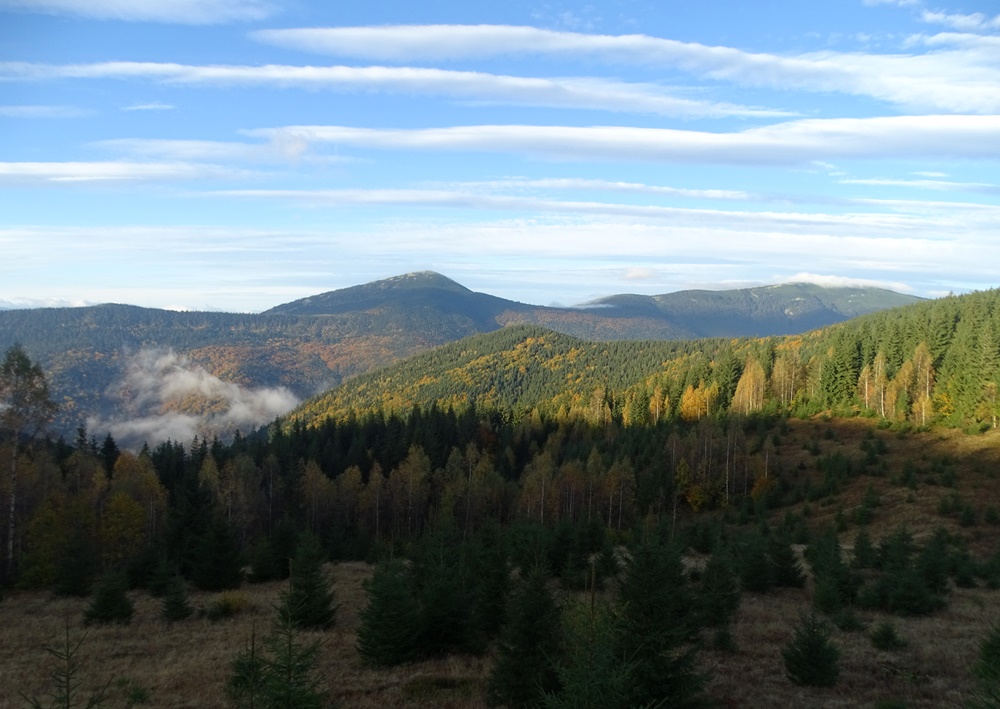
785,564
77,568
529,645
218,564
658,623
389,633
592,672
66,685
175,602
110,603
281,675
811,659
719,594
986,671
309,600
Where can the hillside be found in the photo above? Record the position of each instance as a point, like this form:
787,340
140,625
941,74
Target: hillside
107,362
932,361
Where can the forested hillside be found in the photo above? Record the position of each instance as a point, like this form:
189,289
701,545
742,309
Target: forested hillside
704,494
931,362
93,355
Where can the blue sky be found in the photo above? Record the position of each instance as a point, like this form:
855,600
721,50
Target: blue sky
237,154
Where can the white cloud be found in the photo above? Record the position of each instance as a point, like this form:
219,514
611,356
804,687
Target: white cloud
953,81
183,151
193,12
42,112
975,22
939,185
788,143
156,382
154,106
577,93
566,183
829,281
121,171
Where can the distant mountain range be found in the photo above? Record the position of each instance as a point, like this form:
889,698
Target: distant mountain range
149,374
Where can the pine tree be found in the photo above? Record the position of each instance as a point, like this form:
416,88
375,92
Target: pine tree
281,675
175,602
529,644
66,684
110,604
719,594
390,622
592,672
986,671
658,623
218,564
785,565
811,659
308,603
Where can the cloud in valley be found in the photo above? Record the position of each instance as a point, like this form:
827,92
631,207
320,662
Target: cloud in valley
166,396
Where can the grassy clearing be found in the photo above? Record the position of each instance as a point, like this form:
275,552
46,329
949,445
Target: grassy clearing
185,664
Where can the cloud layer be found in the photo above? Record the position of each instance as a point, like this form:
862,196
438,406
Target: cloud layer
158,382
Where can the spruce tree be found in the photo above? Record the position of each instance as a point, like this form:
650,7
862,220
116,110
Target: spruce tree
986,671
279,675
175,602
218,564
308,603
529,645
110,603
658,624
785,565
719,592
389,633
591,672
811,659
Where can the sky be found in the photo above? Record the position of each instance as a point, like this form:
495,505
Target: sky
238,154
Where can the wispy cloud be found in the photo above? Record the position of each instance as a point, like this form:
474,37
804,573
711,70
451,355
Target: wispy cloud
70,172
832,281
154,106
575,183
42,112
958,81
158,383
938,185
975,22
468,86
787,143
191,12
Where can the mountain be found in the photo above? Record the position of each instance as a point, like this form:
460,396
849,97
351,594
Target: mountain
783,309
933,361
149,373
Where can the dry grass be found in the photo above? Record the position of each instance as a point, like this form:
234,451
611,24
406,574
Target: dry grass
186,664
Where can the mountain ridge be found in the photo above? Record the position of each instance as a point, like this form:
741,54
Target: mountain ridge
312,344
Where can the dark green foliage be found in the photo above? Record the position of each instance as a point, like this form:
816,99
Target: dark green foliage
659,619
66,682
811,659
389,633
756,568
592,672
835,584
909,584
719,593
529,646
309,601
865,555
110,603
162,577
263,563
282,675
986,671
785,565
489,575
77,568
885,637
175,602
218,564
